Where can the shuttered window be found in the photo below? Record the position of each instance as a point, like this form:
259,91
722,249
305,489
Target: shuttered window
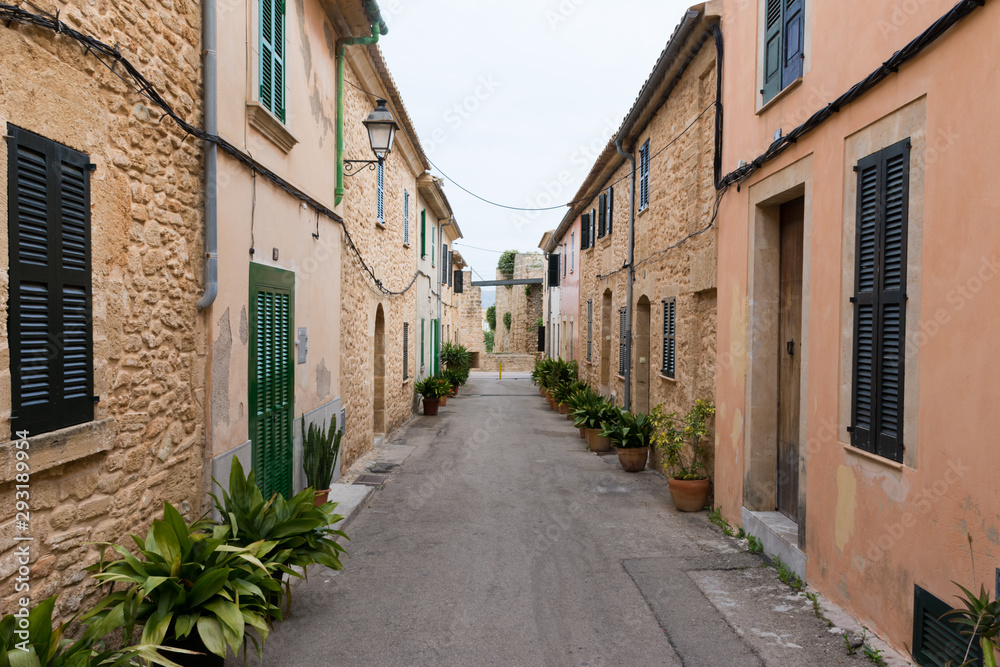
49,307
459,284
669,337
602,215
406,351
272,57
572,252
444,264
880,301
423,232
611,207
451,268
593,227
433,242
584,231
406,217
590,328
423,324
621,341
553,270
644,176
380,193
784,23
565,264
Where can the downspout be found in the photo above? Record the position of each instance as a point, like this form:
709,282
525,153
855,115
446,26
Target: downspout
630,276
209,19
378,28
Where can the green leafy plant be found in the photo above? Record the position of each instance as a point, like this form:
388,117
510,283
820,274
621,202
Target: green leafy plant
681,439
507,320
40,645
539,323
184,582
591,410
320,446
787,575
979,617
456,377
527,291
491,317
455,356
754,545
627,430
505,265
488,340
715,516
433,387
874,655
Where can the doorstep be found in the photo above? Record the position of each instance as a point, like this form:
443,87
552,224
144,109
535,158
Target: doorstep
779,536
349,498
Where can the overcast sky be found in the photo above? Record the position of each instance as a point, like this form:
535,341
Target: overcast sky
515,99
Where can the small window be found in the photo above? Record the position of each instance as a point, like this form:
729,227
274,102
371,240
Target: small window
406,217
644,176
272,57
590,328
622,319
380,194
406,351
49,304
783,40
669,337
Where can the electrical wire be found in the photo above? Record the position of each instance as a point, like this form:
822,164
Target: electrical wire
466,245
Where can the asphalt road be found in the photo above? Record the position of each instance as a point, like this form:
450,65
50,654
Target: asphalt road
501,540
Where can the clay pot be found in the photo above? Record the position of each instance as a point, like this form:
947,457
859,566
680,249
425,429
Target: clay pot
583,433
689,495
552,403
321,497
541,392
454,391
431,406
596,442
444,401
633,459
563,409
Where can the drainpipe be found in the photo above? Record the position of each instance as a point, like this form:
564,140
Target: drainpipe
631,275
378,27
211,158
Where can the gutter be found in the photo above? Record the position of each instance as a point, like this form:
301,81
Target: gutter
627,399
209,19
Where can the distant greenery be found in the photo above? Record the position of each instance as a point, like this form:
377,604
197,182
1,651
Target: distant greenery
527,291
539,323
506,263
491,317
488,340
506,320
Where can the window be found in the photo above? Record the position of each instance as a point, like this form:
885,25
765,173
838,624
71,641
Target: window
380,193
432,244
593,226
602,215
669,338
590,329
783,28
272,57
880,301
644,176
406,217
444,264
49,307
572,252
584,231
611,206
423,233
553,280
406,351
422,323
621,341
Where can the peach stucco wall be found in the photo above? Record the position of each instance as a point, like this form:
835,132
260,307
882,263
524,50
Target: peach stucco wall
873,530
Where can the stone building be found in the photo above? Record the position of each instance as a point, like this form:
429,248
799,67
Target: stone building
102,351
664,341
471,316
524,303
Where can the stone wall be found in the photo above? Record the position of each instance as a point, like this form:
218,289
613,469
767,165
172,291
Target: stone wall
471,315
525,309
99,481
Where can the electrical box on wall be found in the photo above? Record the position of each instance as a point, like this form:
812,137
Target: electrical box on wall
302,345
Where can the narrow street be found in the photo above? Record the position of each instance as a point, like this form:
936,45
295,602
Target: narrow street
500,540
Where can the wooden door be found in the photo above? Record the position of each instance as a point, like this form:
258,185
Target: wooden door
789,356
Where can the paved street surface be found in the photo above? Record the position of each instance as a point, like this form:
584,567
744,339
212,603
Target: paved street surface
498,539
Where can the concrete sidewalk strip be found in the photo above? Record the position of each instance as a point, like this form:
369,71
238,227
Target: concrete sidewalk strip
349,498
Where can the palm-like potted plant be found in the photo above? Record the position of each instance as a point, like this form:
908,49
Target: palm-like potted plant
320,447
630,435
433,389
681,442
456,376
980,618
590,415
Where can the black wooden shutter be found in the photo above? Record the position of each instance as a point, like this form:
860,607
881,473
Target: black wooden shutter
644,176
444,264
49,325
773,56
602,215
611,207
791,39
669,337
541,339
880,302
590,328
593,227
621,341
553,270
451,267
459,286
584,231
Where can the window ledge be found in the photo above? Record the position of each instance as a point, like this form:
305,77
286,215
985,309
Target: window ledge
782,94
380,224
860,453
620,377
267,124
667,378
56,448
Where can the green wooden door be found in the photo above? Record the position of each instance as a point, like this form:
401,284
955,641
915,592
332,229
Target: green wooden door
271,370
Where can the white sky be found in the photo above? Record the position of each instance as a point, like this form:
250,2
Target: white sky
515,99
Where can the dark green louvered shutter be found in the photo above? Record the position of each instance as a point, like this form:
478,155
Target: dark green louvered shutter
49,322
669,337
272,306
773,56
584,231
644,176
593,227
590,328
459,285
880,302
621,341
611,207
553,270
406,350
380,193
422,341
793,23
406,217
423,232
444,264
937,641
272,56
451,268
602,215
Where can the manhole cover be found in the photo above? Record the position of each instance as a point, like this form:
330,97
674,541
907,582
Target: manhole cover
370,480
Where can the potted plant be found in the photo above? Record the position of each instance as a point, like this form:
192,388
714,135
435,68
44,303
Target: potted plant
681,441
191,589
456,377
590,415
432,388
980,618
629,433
455,356
320,446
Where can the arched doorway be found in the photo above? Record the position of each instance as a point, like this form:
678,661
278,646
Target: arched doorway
606,342
642,356
379,371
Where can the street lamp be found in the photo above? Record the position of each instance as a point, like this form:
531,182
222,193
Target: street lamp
381,132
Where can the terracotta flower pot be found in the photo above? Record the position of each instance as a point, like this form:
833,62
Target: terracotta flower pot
633,459
431,406
583,433
454,392
541,391
444,401
596,442
552,403
689,495
563,409
321,497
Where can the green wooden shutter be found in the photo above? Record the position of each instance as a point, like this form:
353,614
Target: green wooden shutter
380,193
584,231
423,232
422,324
432,245
272,305
773,56
621,341
793,23
644,176
272,56
936,641
593,227
590,327
406,217
602,215
611,207
51,339
669,337
435,336
880,302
